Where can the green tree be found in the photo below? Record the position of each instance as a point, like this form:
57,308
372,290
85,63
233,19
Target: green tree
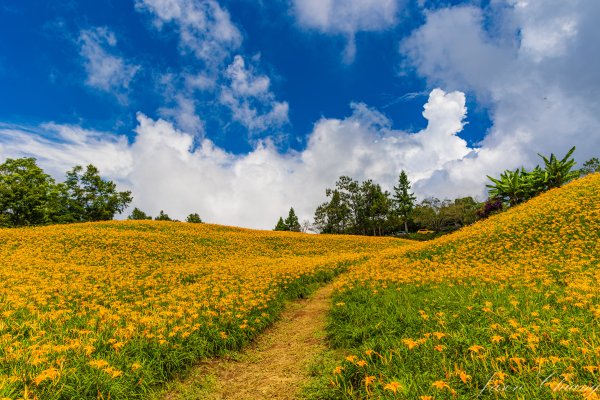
463,211
292,222
333,216
162,217
85,196
404,200
194,218
281,226
590,166
432,213
26,193
138,214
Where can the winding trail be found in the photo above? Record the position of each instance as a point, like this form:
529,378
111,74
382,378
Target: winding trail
274,366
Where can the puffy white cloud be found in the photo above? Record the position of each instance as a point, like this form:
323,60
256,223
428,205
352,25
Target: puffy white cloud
105,70
534,64
205,29
346,17
167,170
249,97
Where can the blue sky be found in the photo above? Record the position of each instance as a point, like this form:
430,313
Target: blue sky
44,79
239,109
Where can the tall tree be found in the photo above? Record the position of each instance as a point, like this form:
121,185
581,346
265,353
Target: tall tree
26,193
404,200
88,197
292,222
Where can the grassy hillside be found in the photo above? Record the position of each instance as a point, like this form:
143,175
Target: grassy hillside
506,308
108,310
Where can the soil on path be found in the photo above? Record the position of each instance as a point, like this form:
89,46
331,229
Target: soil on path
274,366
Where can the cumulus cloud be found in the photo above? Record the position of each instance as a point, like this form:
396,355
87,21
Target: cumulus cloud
105,70
167,170
205,29
534,65
346,17
248,95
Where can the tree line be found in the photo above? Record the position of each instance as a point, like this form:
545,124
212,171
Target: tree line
364,208
29,196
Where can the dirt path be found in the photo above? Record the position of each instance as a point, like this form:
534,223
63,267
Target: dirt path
274,366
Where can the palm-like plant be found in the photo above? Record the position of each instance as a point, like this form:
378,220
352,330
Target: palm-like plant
509,187
559,171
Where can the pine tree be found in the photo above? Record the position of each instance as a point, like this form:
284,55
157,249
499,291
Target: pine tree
292,222
404,201
281,226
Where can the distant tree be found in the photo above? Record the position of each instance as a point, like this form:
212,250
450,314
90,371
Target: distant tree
334,216
292,222
162,217
404,200
463,211
590,166
432,213
306,226
281,226
85,196
27,194
138,214
194,218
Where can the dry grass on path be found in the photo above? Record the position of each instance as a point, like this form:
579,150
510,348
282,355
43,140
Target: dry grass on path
274,367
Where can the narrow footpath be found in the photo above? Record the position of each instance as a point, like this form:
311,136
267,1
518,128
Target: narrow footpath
273,367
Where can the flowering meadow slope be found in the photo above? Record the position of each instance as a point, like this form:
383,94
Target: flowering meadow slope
109,310
506,308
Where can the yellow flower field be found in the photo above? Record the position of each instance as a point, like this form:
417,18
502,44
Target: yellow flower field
506,308
109,310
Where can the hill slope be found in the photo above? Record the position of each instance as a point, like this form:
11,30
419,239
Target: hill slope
108,310
508,307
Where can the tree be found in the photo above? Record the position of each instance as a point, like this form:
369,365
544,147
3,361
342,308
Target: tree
306,226
590,166
291,222
85,196
194,218
463,211
26,193
138,214
162,217
404,200
281,226
432,213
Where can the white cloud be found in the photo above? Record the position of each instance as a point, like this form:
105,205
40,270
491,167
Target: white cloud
105,70
535,65
346,17
166,171
205,29
248,95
